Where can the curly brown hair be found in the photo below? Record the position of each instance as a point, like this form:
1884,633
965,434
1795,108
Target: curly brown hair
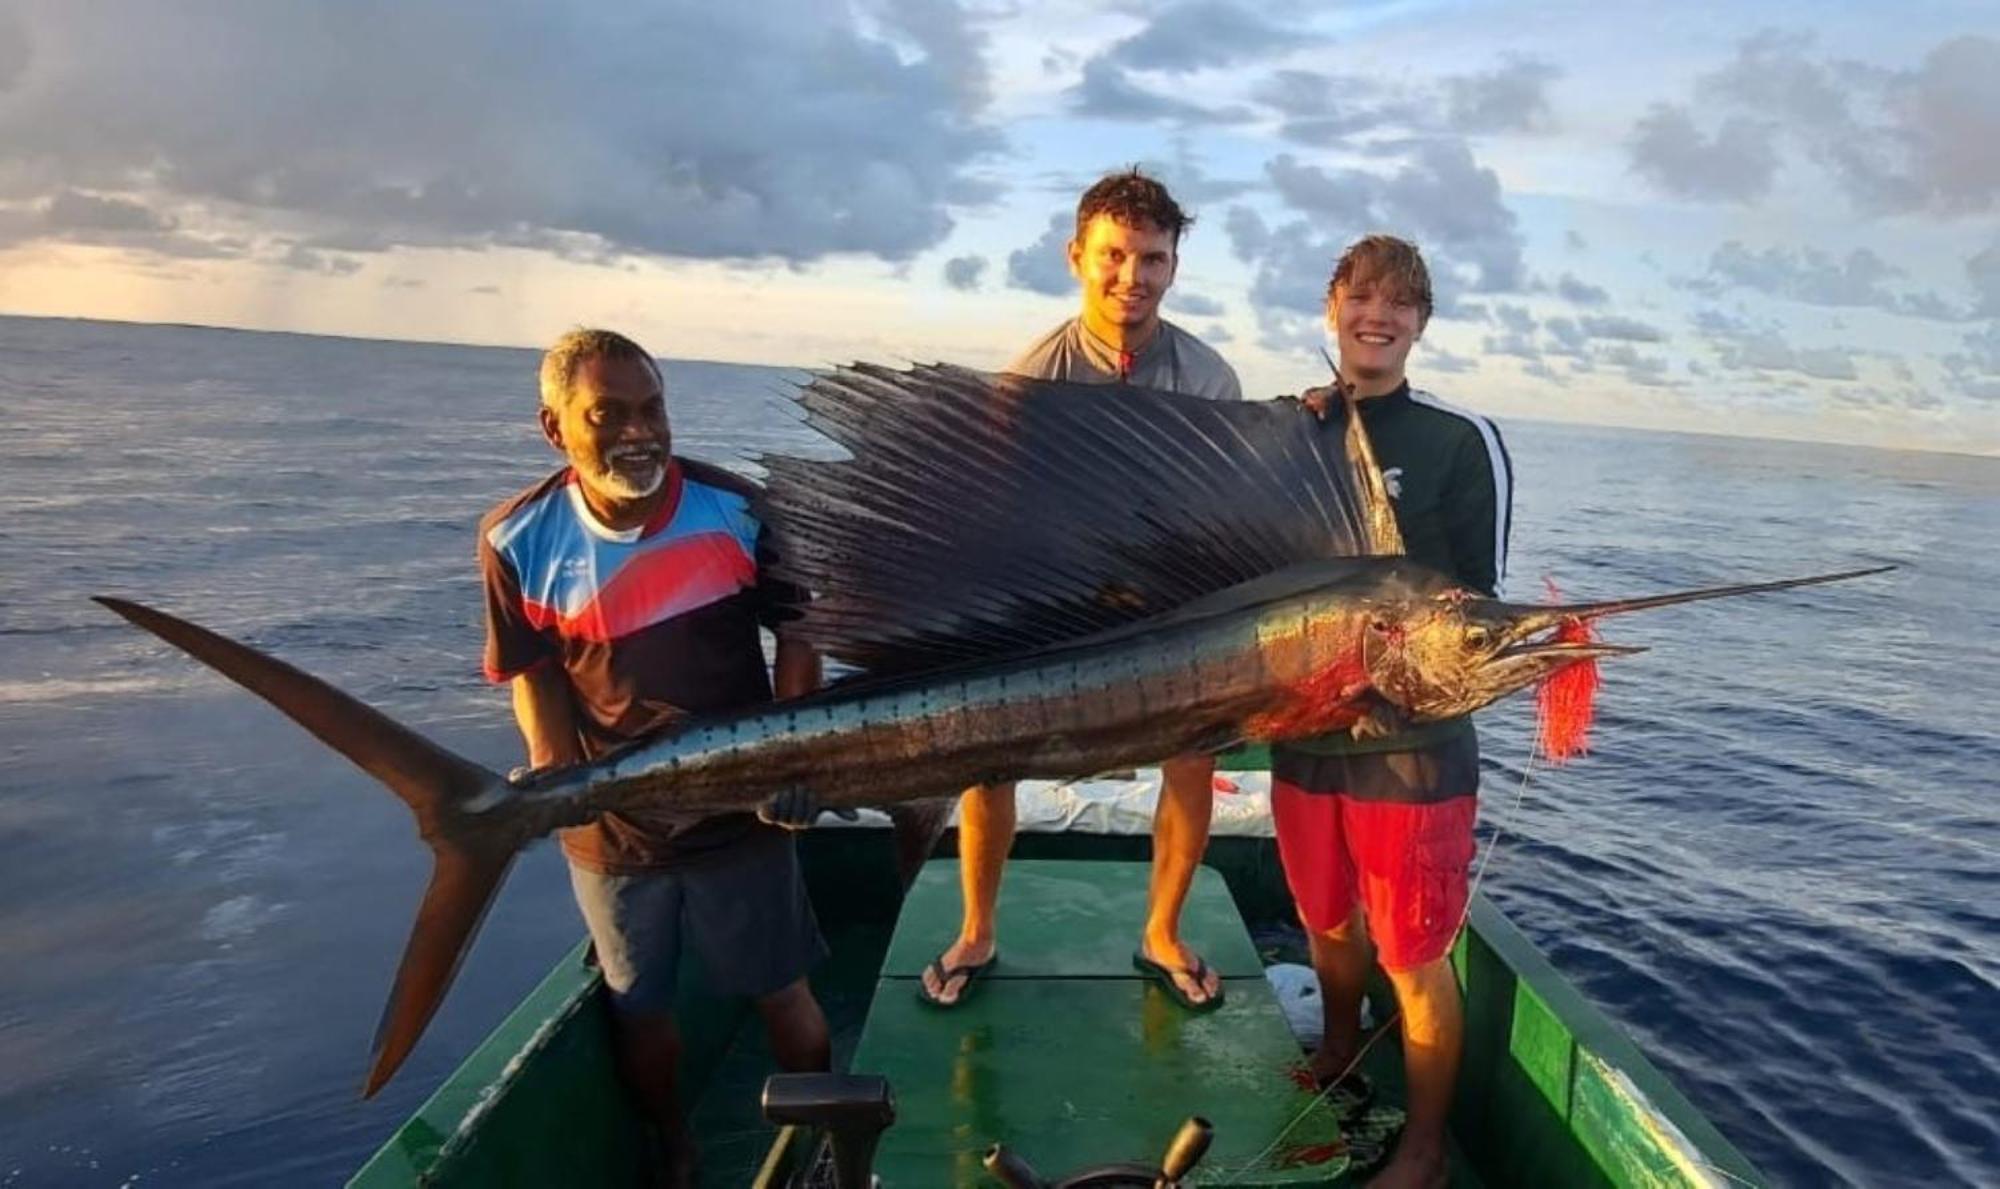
1385,260
1132,198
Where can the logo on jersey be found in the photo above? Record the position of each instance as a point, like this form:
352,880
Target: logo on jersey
1392,479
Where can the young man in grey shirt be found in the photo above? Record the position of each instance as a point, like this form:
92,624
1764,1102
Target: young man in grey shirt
1124,256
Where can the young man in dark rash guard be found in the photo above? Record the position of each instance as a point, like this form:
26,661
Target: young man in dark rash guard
1376,833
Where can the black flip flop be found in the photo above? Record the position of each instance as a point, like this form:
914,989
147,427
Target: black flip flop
972,973
1164,975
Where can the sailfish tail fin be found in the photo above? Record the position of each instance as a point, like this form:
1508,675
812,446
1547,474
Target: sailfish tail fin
472,849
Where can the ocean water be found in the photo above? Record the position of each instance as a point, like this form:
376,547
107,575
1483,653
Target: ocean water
1777,870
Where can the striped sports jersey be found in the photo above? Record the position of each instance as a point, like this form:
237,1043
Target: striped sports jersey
648,624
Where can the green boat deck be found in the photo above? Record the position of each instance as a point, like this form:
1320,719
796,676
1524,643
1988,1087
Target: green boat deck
1070,1055
1066,1054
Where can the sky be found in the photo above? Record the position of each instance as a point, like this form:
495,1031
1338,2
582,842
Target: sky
1776,219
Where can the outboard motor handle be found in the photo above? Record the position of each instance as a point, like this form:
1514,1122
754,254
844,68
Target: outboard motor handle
853,1108
1010,1170
1189,1145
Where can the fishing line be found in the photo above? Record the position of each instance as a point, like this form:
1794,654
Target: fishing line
1381,1030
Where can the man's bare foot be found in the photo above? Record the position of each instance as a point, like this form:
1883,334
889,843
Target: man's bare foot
1327,1064
960,960
1414,1167
1182,962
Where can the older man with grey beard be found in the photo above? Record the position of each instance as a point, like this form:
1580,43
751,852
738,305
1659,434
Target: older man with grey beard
623,591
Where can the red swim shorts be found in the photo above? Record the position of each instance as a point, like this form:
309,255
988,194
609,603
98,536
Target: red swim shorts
1406,864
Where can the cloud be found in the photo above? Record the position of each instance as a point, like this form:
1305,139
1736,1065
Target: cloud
1514,318
1194,304
307,259
789,130
1735,163
1437,359
1740,345
1202,34
1577,292
963,272
72,210
1332,110
1043,266
404,283
1983,270
1975,371
1813,277
1612,326
1893,141
1248,236
1345,198
1440,197
1521,346
1513,98
1574,241
1190,183
1217,334
1107,92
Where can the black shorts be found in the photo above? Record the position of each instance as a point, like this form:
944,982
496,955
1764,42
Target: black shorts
1436,772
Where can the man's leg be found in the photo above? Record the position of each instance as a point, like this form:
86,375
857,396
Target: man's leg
752,921
1341,957
1180,837
986,818
1312,845
1415,861
634,925
797,1029
1433,1039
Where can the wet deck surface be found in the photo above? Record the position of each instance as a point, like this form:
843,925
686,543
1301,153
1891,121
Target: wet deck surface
1070,1056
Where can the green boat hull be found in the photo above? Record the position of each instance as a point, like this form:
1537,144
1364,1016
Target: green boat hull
1551,1092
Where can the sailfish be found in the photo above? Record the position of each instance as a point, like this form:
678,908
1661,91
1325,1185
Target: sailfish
1032,579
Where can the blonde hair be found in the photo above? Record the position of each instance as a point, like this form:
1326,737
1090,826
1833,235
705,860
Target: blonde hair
580,346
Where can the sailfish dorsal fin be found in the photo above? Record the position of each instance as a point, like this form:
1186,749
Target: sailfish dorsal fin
978,515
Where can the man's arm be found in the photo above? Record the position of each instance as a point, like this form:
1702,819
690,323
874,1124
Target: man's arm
1478,507
546,714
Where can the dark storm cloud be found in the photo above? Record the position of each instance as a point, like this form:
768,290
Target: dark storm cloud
785,129
963,272
1043,266
1893,141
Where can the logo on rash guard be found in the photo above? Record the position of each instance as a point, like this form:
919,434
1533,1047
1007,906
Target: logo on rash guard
1393,480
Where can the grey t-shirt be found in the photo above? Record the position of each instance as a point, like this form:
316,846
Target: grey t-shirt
1175,361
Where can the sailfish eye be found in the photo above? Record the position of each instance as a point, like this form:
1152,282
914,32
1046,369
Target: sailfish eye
1477,638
